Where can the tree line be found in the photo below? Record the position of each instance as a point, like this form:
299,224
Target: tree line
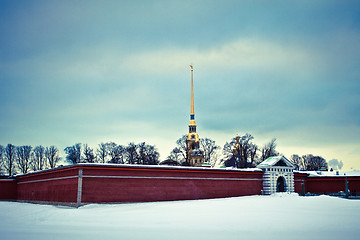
250,153
111,152
26,158
309,162
215,155
23,159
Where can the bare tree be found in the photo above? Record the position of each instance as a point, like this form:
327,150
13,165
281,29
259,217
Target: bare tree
209,148
23,158
297,161
149,154
245,143
309,162
9,159
89,155
175,156
52,156
144,153
116,152
38,158
131,153
182,147
317,163
269,150
102,152
246,153
305,160
2,149
228,149
253,154
248,150
141,153
216,159
73,153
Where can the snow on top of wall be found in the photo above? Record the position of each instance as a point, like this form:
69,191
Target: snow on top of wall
109,165
169,167
330,173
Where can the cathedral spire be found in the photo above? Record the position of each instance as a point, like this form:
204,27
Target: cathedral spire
192,111
192,123
194,156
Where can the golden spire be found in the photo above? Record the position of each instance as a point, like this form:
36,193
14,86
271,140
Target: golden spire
192,123
192,112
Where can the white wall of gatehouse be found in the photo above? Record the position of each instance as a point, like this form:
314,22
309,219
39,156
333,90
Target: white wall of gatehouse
271,176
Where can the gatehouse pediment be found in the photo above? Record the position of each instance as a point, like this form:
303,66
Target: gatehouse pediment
276,161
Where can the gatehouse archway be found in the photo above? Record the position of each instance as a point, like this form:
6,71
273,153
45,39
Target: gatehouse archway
280,184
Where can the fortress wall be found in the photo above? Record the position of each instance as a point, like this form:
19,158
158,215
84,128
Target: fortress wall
106,183
326,185
135,184
8,189
300,181
55,186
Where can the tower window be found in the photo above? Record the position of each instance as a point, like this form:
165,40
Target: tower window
192,128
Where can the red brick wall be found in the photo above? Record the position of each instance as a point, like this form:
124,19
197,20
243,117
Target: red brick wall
8,189
55,186
300,180
354,185
119,183
125,183
165,184
332,184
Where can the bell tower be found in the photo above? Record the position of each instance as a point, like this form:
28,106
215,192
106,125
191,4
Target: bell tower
194,156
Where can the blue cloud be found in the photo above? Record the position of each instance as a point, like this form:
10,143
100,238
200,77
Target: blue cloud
76,71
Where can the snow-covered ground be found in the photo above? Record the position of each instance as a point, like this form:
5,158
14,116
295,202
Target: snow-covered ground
281,216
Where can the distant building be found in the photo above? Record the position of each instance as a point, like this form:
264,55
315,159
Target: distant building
194,156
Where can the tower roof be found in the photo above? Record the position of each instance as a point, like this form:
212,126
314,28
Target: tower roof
275,161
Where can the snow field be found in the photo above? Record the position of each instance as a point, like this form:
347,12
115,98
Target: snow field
280,216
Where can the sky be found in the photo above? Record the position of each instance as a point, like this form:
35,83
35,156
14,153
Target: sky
100,71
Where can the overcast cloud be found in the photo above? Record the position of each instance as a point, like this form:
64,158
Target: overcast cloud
95,71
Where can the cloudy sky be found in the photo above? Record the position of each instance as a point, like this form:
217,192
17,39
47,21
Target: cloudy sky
98,71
